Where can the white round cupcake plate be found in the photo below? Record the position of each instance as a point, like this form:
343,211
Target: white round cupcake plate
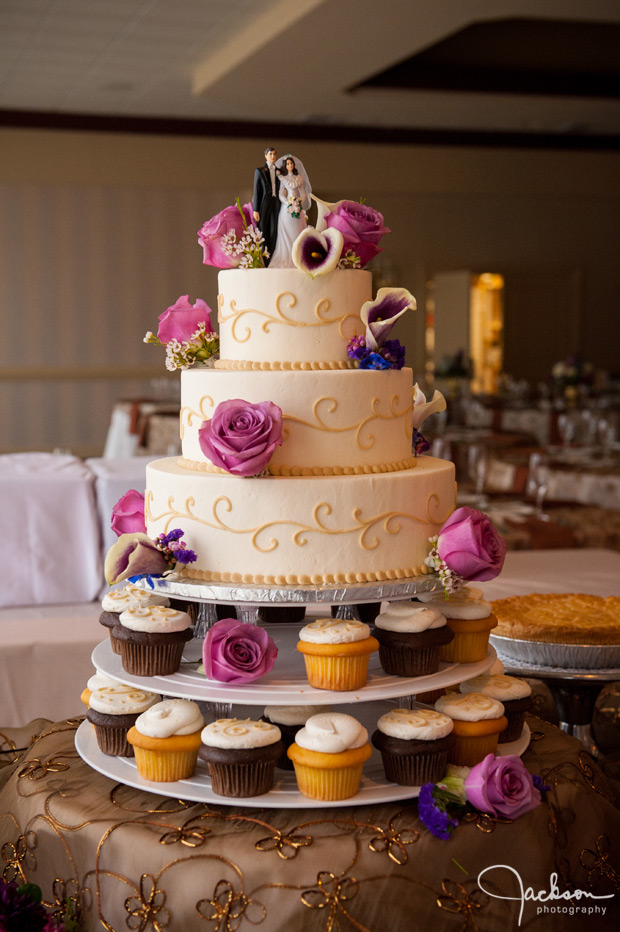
286,684
284,795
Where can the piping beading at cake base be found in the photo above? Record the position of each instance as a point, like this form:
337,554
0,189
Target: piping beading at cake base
292,471
305,580
279,366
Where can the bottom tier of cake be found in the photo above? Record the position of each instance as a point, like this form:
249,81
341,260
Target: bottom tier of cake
305,529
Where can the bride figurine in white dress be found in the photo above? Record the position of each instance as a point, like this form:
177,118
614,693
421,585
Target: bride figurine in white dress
295,190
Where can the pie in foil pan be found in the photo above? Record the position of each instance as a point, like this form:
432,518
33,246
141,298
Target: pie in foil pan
551,654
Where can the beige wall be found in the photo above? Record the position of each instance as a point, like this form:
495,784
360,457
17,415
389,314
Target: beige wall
98,236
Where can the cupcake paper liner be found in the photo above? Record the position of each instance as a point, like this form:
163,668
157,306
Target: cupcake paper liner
338,673
416,769
241,779
514,728
467,647
113,741
143,659
469,750
401,661
165,766
328,785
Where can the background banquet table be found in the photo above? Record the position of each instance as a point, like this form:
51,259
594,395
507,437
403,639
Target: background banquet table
135,859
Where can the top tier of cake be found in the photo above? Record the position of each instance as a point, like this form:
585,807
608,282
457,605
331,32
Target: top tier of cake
289,320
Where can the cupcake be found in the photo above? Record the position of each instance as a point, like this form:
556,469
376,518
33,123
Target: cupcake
119,600
478,722
242,756
328,755
410,636
513,693
96,681
471,620
289,719
113,710
152,639
336,653
414,745
166,740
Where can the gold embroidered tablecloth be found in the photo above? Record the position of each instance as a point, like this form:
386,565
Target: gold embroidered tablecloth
135,860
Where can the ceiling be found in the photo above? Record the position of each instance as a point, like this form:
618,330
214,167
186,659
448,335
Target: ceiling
534,72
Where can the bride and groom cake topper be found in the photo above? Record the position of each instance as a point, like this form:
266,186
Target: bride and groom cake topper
281,197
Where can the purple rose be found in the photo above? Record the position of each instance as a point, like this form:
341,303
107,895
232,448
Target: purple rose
241,436
470,545
501,786
361,228
211,233
181,320
133,555
128,514
237,652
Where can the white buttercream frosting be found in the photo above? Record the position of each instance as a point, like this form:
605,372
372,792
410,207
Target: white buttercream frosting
240,733
471,707
497,685
130,596
409,617
170,717
99,680
155,619
334,631
331,733
467,602
293,714
122,700
415,724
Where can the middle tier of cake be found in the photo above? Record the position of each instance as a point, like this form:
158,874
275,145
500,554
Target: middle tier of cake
302,530
336,422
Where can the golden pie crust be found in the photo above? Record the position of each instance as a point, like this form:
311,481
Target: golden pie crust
559,618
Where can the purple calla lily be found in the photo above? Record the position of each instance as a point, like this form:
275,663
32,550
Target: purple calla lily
380,315
133,555
317,253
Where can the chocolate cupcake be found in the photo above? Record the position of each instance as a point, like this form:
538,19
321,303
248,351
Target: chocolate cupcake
410,638
152,640
112,711
513,693
289,719
120,600
414,745
242,756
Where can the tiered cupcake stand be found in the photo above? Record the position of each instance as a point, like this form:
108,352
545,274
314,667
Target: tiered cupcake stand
285,685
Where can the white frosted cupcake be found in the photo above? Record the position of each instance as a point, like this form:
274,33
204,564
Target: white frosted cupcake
410,637
166,740
112,710
414,745
96,681
121,600
514,694
289,719
328,755
470,617
336,653
152,639
242,755
478,722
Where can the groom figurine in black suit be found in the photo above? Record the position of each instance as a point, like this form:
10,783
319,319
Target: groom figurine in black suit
265,200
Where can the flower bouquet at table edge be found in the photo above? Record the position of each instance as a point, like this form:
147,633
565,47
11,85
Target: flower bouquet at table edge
468,548
21,907
135,555
497,787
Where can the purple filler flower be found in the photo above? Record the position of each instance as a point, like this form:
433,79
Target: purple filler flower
237,652
380,315
432,815
317,253
19,910
241,436
375,361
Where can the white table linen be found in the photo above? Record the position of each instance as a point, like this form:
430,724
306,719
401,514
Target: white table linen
113,478
51,530
596,572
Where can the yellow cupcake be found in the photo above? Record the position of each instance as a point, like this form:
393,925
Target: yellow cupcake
336,653
478,723
469,616
328,755
166,740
